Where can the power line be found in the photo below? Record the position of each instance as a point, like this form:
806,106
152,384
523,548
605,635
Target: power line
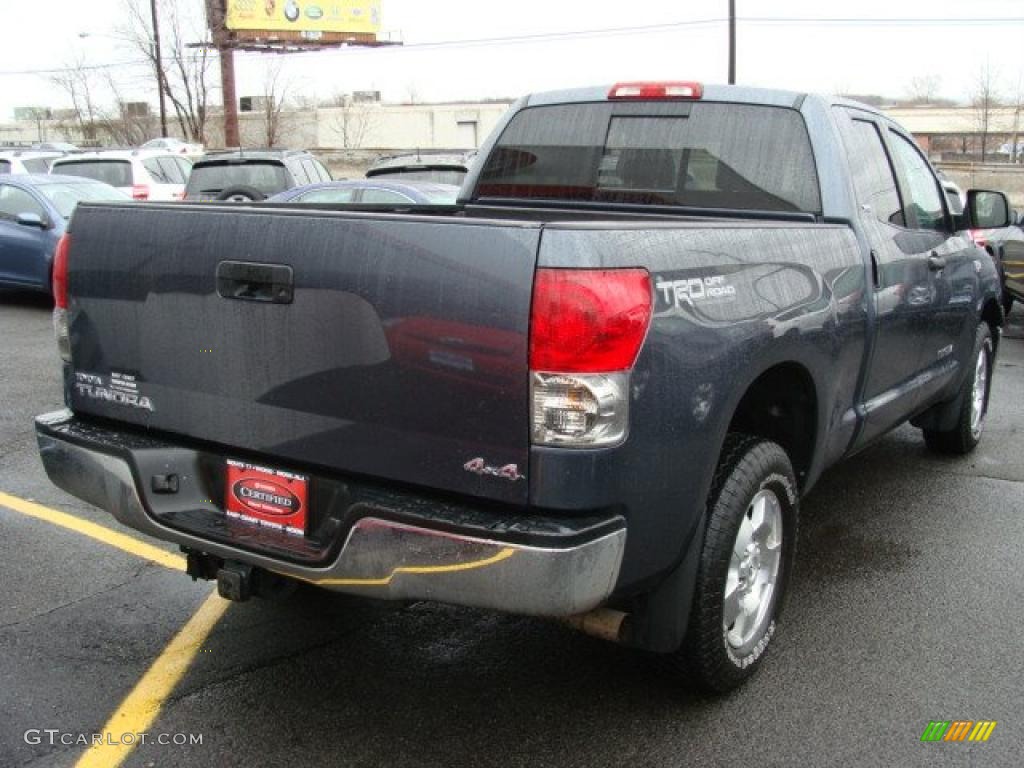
603,32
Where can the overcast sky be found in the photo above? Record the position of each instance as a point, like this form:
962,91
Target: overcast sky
868,46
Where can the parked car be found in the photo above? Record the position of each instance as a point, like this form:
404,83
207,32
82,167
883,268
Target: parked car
442,168
176,146
57,146
367,191
247,175
1006,245
34,210
27,161
594,397
141,173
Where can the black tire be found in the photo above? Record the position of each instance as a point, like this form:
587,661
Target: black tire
965,436
1007,302
241,194
748,470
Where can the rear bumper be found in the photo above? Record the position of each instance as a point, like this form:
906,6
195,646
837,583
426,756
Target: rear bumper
380,554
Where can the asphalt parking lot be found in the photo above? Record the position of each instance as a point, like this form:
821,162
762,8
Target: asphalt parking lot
906,607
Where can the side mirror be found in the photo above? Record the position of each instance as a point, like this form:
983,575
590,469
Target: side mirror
31,220
987,210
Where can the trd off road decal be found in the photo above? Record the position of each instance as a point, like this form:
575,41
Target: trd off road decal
118,388
672,293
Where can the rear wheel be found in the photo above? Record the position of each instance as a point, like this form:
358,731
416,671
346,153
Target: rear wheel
970,422
744,566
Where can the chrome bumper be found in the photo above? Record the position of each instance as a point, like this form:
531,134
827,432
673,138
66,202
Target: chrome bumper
380,558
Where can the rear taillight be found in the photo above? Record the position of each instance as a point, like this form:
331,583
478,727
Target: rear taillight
586,329
648,91
140,192
59,285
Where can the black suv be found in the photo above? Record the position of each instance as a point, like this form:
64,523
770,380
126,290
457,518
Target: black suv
252,174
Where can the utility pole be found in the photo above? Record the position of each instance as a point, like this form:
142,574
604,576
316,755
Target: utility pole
732,42
158,62
216,12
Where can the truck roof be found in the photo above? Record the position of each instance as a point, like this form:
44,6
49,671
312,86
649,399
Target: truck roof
712,92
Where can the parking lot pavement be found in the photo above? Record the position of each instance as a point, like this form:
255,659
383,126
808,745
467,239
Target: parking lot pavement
905,608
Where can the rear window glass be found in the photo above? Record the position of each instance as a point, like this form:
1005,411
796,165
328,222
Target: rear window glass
436,175
703,155
116,173
268,178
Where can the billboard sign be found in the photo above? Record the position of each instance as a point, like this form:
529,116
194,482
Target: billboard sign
351,16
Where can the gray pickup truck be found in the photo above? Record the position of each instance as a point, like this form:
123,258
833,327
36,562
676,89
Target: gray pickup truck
596,388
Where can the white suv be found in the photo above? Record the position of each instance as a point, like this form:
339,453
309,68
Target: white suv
143,174
27,161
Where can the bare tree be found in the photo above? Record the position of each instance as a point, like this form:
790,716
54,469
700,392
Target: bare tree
1018,102
984,100
923,89
274,102
353,120
77,83
185,71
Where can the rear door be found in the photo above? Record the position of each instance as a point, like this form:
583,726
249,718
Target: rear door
387,346
901,276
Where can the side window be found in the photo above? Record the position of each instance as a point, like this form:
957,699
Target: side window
5,166
873,177
924,201
172,171
156,170
383,196
14,201
327,196
325,175
298,173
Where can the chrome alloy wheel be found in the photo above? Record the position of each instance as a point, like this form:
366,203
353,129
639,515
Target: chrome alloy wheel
753,570
979,392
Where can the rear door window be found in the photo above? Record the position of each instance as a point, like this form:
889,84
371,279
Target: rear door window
298,173
924,198
696,154
116,173
873,177
172,171
156,170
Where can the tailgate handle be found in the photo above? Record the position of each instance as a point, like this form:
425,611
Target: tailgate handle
252,281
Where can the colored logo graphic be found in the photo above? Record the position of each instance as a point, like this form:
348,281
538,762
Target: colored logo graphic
958,730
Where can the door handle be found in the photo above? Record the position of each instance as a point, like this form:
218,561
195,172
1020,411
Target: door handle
936,262
248,281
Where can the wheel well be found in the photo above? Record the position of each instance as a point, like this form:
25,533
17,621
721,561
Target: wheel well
782,406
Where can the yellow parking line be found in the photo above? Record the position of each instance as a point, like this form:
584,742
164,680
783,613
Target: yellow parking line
141,707
94,531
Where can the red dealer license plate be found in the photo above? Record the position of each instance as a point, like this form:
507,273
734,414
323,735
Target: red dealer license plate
269,497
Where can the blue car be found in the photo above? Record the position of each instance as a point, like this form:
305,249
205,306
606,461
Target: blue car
34,210
371,192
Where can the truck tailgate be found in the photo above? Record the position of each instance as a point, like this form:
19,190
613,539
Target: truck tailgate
391,346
